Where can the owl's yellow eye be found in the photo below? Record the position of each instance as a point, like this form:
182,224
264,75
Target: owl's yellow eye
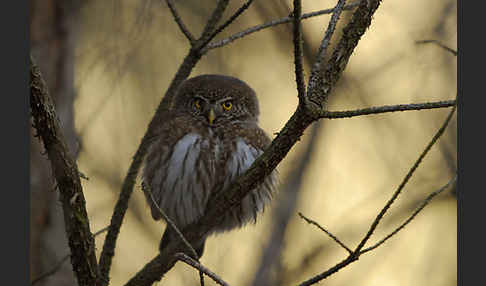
227,105
197,103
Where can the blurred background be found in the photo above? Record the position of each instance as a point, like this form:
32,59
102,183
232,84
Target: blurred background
108,64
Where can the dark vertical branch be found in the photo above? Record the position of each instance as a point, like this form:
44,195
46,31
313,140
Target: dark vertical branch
53,35
297,37
76,221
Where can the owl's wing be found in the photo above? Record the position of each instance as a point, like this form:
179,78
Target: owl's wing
160,152
249,141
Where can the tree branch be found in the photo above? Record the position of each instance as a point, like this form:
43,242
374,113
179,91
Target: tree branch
309,221
386,109
358,251
414,214
452,51
179,22
226,24
58,265
198,266
273,23
46,122
297,35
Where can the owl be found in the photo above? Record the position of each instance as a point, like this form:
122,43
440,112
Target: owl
209,137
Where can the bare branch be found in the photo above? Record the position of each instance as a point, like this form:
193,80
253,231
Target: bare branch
273,23
179,22
226,24
297,34
327,38
189,261
212,22
46,122
405,180
452,51
317,92
52,271
414,214
309,221
387,108
357,252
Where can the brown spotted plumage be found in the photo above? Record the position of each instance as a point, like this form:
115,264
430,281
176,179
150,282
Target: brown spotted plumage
206,141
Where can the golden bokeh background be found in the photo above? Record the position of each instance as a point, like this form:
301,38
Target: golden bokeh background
126,55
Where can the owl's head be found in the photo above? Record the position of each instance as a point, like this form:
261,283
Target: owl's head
217,100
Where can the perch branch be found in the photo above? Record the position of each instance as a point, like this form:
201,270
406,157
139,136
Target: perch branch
189,261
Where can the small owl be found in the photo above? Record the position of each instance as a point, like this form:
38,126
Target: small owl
209,138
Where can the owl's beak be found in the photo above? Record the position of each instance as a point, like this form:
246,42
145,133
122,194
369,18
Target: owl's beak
211,116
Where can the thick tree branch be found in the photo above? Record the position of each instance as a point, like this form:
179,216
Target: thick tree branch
66,172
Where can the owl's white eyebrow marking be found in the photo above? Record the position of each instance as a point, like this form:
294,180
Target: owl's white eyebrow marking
224,99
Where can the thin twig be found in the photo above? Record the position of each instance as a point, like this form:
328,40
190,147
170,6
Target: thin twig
226,24
318,88
327,36
52,271
179,22
414,214
170,223
387,108
189,261
297,35
309,221
212,22
272,23
357,252
58,265
454,52
405,180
